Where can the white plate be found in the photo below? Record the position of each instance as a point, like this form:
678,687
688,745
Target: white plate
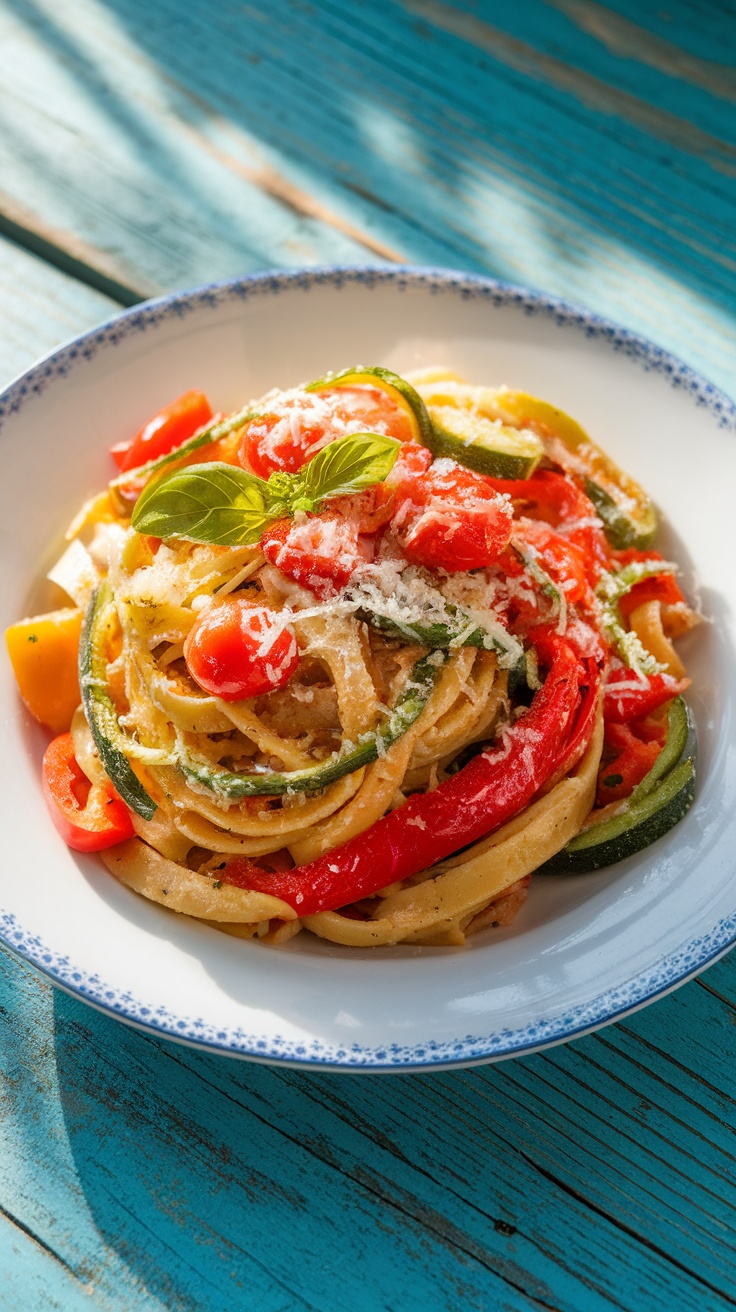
585,949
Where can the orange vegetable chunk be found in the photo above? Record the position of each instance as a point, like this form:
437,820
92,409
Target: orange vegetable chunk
43,652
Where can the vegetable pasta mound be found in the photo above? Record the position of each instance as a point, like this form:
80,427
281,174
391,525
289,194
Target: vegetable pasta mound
359,659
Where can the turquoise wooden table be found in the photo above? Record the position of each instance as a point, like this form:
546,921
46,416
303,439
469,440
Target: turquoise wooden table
582,148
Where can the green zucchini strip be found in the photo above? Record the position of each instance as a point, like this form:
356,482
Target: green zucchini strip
609,592
350,757
656,804
112,743
623,526
482,444
441,637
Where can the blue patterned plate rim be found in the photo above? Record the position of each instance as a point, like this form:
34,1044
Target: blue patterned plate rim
608,1006
471,1050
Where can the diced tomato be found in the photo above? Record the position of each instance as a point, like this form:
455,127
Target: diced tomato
556,500
300,424
238,650
563,560
120,451
451,518
629,752
173,425
369,510
320,553
660,587
89,817
630,696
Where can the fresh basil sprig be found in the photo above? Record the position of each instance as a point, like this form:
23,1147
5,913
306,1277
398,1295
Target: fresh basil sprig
224,504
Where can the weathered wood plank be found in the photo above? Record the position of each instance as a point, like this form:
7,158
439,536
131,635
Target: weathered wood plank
644,42
150,1167
33,1278
40,308
484,147
699,28
147,1176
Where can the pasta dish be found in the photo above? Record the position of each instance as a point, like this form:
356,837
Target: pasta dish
359,659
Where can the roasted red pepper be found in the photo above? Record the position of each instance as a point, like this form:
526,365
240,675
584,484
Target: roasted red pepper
628,695
492,788
89,817
555,500
659,587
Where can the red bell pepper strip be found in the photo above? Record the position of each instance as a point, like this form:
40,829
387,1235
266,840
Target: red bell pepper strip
89,817
491,788
628,695
174,424
657,587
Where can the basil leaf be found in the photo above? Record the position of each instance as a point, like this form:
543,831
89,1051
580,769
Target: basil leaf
348,465
214,502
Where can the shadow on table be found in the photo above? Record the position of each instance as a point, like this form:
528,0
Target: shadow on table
222,1185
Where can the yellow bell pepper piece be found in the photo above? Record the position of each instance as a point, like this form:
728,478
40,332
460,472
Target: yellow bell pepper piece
625,508
43,652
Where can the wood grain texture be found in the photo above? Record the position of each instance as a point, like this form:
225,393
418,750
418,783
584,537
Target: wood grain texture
589,1177
41,307
185,145
585,148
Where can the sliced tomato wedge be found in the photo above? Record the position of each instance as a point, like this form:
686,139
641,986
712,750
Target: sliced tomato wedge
300,424
451,518
321,553
89,817
238,650
171,426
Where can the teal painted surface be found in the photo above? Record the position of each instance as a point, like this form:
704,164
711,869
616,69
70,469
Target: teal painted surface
40,307
179,148
595,1176
585,148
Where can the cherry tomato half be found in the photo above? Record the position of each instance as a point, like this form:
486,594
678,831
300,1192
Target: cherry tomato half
451,518
173,425
301,424
89,817
320,554
238,650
